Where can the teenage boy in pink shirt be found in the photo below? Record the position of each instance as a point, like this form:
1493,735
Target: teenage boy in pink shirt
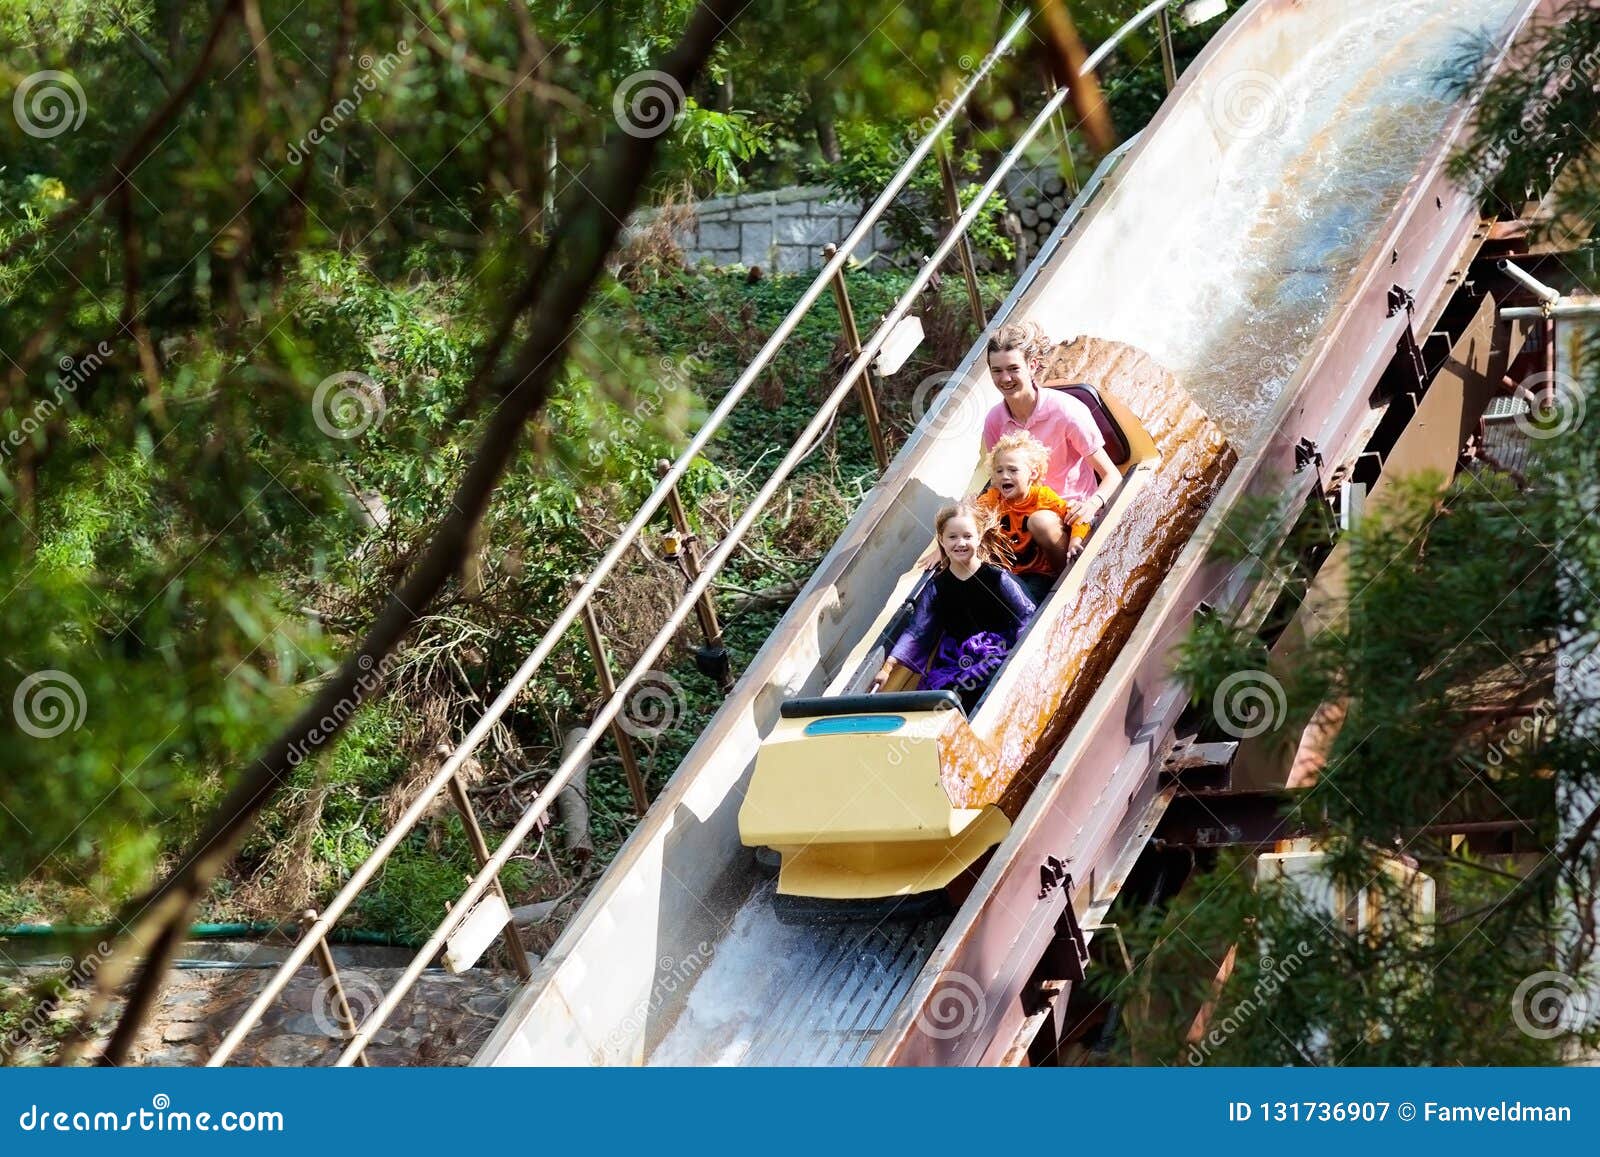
1080,470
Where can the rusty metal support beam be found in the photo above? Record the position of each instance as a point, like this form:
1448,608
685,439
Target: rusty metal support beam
330,973
866,384
969,269
1169,62
480,849
608,688
716,663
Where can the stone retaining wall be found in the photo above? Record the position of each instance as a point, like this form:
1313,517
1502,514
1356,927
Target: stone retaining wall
784,230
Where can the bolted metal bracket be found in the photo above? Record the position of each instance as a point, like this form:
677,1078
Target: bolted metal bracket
1074,961
1305,453
1052,874
1400,298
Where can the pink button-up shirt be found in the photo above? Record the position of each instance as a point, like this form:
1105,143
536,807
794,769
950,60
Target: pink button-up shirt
1067,429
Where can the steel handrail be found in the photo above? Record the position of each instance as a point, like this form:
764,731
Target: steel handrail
317,931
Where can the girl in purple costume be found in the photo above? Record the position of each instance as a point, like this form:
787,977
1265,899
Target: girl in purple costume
968,615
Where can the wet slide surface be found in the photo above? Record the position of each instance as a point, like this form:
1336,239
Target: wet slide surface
824,992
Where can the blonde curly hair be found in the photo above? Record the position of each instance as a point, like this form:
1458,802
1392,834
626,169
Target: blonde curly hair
1026,336
1034,452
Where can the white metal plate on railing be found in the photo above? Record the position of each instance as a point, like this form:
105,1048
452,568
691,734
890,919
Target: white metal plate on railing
468,942
902,341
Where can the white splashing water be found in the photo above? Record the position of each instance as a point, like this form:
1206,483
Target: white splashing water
1249,273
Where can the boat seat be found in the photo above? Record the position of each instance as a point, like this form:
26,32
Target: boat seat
885,702
1116,441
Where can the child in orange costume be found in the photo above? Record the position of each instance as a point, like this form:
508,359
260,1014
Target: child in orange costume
1034,519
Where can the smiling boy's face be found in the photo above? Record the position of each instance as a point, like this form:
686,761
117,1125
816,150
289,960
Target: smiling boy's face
1010,371
1013,474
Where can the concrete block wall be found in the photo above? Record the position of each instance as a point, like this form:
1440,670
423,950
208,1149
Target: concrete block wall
784,230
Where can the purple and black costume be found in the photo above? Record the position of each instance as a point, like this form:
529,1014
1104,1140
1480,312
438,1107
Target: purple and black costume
962,630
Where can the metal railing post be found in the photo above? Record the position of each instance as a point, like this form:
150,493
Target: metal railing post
480,849
864,384
952,204
330,973
608,688
1169,62
705,608
1064,131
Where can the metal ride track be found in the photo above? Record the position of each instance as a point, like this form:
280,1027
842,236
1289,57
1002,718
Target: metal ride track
675,958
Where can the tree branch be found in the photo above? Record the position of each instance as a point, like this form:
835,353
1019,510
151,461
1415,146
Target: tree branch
141,146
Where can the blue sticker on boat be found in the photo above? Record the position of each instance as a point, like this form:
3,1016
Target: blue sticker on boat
856,725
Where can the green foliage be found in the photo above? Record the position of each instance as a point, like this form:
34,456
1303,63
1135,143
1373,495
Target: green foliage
870,156
1456,600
